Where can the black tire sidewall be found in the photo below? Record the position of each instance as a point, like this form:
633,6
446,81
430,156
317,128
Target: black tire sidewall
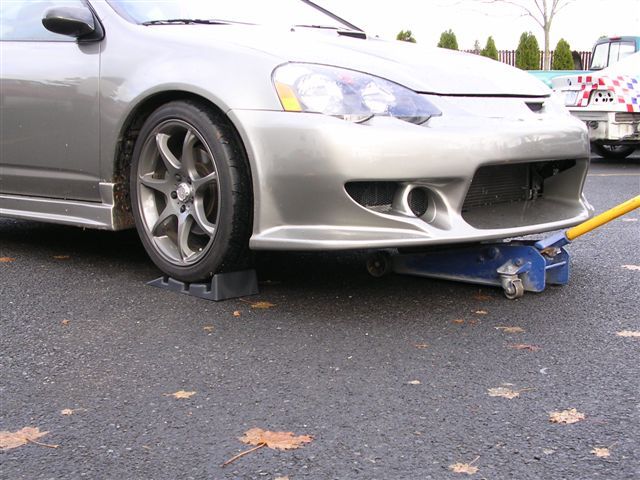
605,153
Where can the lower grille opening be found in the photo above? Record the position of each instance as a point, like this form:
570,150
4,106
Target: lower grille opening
498,184
498,192
377,196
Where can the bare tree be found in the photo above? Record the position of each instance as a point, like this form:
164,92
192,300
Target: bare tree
543,12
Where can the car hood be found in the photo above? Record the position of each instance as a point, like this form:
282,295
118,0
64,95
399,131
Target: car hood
422,69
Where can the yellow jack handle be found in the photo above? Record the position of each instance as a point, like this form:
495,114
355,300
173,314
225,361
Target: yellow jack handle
603,218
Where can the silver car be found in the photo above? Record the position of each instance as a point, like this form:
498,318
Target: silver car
220,127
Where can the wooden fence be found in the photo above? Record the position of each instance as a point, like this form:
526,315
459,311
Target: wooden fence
582,60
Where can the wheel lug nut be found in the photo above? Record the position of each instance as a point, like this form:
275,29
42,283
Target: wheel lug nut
174,195
182,209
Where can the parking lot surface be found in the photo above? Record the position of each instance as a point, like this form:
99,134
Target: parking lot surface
392,377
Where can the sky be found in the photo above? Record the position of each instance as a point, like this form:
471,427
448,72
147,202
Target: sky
581,23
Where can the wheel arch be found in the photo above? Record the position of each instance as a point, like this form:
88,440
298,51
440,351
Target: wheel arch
130,130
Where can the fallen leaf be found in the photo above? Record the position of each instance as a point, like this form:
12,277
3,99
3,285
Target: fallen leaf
265,438
208,328
262,305
414,382
61,257
237,313
7,259
629,333
180,394
566,417
481,297
510,329
601,452
275,440
458,321
524,346
548,451
481,312
421,346
632,267
66,411
281,478
467,468
65,322
503,392
9,440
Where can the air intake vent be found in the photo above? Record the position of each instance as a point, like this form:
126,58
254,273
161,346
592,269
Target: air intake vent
376,196
535,107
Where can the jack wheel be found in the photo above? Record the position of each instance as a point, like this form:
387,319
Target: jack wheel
514,289
379,264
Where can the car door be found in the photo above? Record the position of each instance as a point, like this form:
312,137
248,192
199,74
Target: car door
49,106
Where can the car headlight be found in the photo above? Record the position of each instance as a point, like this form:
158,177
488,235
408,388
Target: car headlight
347,94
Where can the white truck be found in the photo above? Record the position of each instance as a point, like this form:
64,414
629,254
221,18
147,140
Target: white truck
608,101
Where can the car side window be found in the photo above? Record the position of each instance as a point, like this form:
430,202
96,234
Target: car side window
626,49
21,20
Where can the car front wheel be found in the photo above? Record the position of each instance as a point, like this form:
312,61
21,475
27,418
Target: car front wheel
191,192
614,152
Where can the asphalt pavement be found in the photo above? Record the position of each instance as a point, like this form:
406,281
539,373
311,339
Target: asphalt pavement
390,376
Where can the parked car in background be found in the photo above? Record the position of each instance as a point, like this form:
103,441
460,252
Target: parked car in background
608,101
219,127
606,52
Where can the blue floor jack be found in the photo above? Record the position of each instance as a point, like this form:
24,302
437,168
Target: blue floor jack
516,266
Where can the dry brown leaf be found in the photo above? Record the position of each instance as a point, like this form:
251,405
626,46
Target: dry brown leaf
467,468
458,321
414,382
601,452
481,297
262,305
61,257
66,411
632,267
208,328
265,438
9,440
180,394
481,312
510,329
524,346
421,346
503,392
566,417
7,259
629,333
65,322
237,313
275,440
281,478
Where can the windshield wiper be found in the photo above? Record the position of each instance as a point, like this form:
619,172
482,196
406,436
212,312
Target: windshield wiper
186,21
340,31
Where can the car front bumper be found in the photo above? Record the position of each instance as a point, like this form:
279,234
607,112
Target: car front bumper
301,164
615,127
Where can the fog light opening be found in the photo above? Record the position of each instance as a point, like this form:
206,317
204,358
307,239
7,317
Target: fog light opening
418,201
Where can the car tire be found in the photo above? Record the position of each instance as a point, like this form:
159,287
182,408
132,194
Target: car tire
191,192
613,152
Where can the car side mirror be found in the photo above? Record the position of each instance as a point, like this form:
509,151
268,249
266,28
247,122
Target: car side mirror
77,22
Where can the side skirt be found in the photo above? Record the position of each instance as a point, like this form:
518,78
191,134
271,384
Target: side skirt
107,215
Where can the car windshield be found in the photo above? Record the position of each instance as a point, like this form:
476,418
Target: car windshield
260,12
